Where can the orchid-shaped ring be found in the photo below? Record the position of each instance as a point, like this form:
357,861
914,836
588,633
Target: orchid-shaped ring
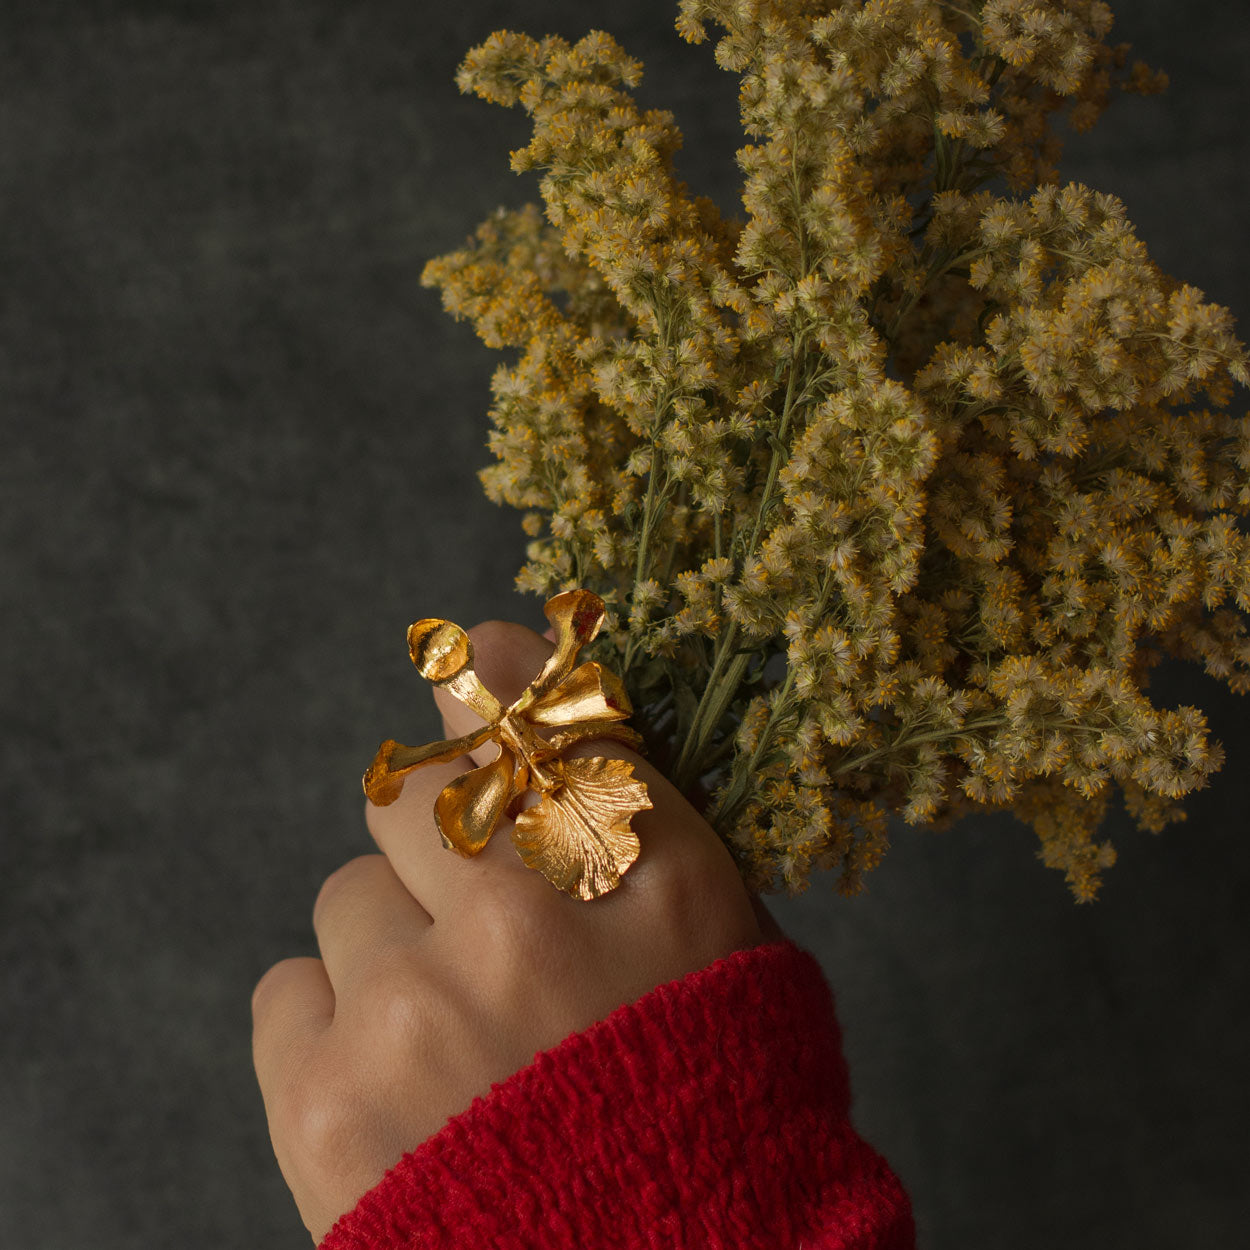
579,834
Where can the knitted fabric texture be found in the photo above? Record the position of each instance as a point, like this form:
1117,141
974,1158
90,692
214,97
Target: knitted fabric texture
712,1114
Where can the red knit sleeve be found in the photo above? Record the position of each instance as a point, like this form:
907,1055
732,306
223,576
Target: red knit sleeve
712,1114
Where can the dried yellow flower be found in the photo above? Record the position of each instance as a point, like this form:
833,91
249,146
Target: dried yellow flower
897,487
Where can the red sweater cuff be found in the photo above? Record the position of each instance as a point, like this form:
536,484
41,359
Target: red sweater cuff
711,1113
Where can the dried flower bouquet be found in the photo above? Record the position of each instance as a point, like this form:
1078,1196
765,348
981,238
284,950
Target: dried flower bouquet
898,487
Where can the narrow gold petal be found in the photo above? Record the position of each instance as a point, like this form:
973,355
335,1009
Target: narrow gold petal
384,778
467,687
579,836
443,654
590,692
575,616
470,807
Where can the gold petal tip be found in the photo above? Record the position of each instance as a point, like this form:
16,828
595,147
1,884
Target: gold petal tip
439,649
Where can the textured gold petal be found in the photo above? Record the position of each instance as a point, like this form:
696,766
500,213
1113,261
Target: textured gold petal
575,616
443,654
590,692
384,779
469,808
589,730
579,836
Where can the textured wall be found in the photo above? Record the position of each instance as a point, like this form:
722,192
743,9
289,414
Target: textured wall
239,455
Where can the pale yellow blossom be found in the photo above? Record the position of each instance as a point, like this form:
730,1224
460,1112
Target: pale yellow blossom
897,487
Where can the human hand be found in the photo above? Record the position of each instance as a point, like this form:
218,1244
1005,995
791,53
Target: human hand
440,976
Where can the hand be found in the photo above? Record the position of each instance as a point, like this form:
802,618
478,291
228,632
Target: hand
440,976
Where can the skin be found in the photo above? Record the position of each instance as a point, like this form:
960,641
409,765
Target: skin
440,976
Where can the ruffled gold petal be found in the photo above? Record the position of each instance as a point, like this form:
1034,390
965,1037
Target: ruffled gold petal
470,807
384,779
579,835
590,692
575,617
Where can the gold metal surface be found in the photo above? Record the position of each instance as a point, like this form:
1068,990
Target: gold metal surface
579,834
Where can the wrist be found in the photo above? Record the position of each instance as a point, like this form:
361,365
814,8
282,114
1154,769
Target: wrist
633,1128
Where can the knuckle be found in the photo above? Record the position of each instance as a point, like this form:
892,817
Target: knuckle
695,898
674,894
343,879
399,1006
518,932
288,978
510,920
268,985
326,1124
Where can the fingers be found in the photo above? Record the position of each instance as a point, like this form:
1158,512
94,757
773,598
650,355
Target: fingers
292,1006
364,917
405,832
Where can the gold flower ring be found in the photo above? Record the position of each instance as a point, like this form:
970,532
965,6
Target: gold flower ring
578,835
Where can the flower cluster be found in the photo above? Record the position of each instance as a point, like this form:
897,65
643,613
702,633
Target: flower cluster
897,487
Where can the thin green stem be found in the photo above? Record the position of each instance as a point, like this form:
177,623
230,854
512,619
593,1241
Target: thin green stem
648,521
726,674
940,263
781,709
729,665
701,727
780,452
731,799
904,739
656,497
974,18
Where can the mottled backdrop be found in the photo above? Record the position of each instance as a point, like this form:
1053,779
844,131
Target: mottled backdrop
238,458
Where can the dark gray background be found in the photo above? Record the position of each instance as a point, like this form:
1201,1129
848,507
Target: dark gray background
239,456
